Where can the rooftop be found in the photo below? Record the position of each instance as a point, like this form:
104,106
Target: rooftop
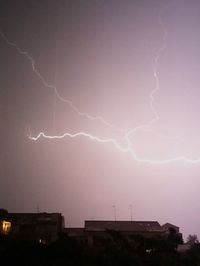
141,226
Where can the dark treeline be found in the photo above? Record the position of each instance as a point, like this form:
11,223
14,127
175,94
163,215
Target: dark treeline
117,250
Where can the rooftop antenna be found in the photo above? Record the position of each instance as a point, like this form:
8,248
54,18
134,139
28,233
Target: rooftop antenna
114,209
38,208
131,211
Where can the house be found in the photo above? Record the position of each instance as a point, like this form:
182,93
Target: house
167,227
77,233
40,227
97,231
182,248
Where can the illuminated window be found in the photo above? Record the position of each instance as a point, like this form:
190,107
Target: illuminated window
6,227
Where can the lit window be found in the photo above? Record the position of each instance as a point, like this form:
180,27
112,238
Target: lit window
6,227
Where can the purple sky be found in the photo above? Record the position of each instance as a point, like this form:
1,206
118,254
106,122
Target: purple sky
124,63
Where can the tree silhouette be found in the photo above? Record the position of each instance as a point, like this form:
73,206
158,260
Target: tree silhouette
192,239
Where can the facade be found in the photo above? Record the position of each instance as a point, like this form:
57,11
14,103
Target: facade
39,227
76,233
182,248
167,227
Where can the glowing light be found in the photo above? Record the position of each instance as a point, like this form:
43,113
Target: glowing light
42,241
6,227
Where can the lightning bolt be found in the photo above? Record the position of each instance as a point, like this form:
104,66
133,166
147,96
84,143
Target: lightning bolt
155,74
54,88
82,134
127,134
127,149
156,116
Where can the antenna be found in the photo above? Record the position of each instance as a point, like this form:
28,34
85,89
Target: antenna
38,208
131,211
114,209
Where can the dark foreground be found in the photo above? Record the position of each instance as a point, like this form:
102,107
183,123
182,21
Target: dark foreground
66,251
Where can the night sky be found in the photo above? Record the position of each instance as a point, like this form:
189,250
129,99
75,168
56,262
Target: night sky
121,79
